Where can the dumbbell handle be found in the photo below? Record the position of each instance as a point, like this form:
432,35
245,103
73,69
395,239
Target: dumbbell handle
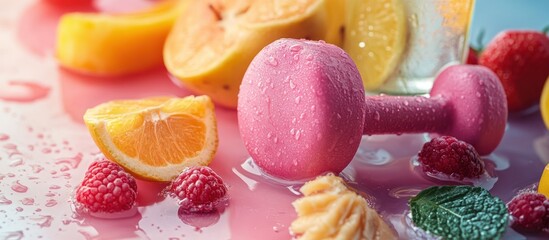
398,114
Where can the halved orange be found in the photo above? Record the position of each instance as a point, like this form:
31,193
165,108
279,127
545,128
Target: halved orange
155,138
214,41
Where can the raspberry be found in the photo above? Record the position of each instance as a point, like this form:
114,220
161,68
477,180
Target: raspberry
106,188
529,211
451,156
198,189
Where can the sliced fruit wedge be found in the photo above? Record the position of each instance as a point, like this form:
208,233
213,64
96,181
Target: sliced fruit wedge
544,106
106,44
214,41
543,185
375,38
155,138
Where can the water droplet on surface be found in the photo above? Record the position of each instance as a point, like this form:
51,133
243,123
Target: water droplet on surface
404,192
292,84
297,99
4,200
43,221
377,117
272,61
17,162
36,168
18,187
297,135
71,162
16,235
10,146
406,103
296,48
51,203
4,137
20,91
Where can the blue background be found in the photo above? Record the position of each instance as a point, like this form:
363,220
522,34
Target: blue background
496,15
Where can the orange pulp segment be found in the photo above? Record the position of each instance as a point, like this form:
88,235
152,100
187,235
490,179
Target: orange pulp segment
155,138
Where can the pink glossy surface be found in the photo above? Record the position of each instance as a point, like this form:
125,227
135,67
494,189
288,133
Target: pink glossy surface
466,102
45,149
301,109
478,105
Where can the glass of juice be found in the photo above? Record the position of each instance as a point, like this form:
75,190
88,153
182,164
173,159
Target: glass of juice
399,46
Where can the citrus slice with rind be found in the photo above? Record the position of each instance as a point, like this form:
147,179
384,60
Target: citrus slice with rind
214,41
544,106
116,44
543,185
375,38
155,138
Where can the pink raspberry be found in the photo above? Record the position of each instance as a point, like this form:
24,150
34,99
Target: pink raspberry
106,188
199,189
451,156
529,211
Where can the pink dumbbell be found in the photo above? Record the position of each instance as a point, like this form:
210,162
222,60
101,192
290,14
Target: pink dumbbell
302,109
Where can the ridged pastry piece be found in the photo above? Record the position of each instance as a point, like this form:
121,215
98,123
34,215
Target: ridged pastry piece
330,210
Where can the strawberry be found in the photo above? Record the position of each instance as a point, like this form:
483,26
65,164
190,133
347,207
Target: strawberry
521,61
106,188
472,56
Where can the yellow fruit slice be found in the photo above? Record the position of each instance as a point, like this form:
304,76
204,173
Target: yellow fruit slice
214,41
544,103
155,138
543,186
375,37
102,44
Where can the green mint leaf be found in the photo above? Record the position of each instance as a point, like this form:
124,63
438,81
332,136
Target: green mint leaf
459,212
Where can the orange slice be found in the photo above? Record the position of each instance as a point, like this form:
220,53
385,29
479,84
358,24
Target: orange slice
544,104
375,37
155,138
543,186
116,44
